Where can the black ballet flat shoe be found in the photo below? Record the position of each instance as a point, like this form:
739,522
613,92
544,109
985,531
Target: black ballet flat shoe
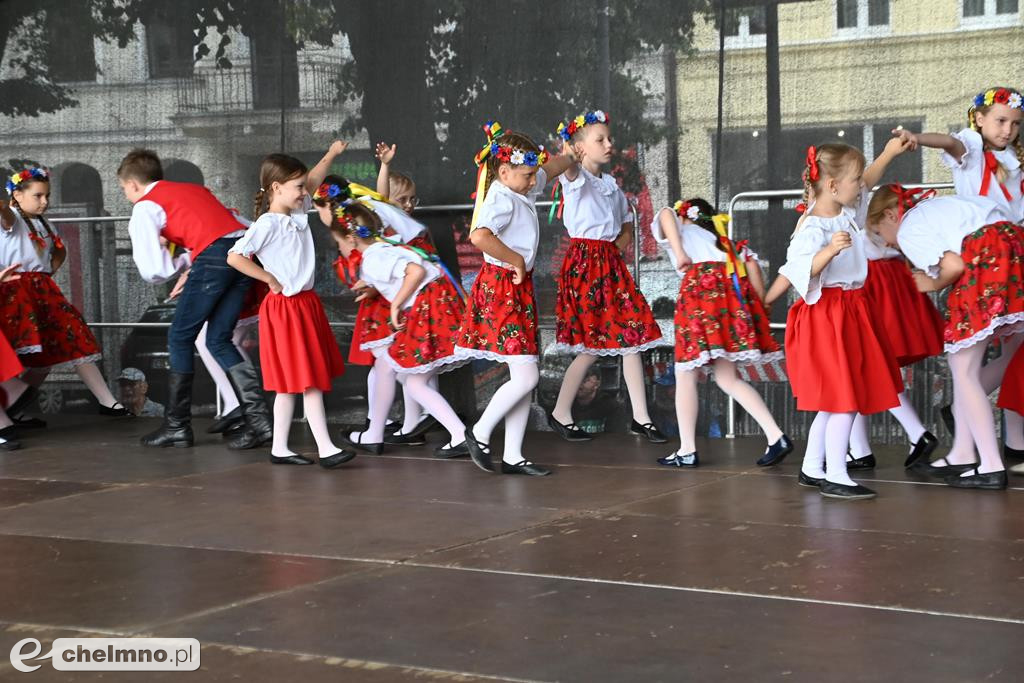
479,453
7,444
777,452
939,471
22,422
992,481
404,440
389,428
290,460
524,467
648,431
570,432
447,453
9,433
116,410
831,489
423,426
20,403
809,481
922,449
227,423
676,460
339,458
947,419
371,448
865,463
1008,453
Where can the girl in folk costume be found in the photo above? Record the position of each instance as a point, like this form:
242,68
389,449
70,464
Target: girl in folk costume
63,336
425,313
15,394
720,322
838,359
501,320
964,243
600,310
298,353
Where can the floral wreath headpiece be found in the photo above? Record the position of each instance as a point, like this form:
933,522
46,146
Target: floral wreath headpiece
507,153
566,129
21,176
348,222
687,210
328,191
1011,98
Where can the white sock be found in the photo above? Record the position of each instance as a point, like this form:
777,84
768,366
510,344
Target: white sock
284,408
228,400
418,386
571,381
744,394
837,441
521,382
633,373
316,418
814,457
687,408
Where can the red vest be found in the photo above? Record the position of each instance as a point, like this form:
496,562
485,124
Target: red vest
195,218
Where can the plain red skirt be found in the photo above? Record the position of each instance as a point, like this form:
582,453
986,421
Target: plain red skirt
63,334
1011,393
10,365
297,348
711,320
18,319
989,296
431,328
911,321
501,320
599,307
837,358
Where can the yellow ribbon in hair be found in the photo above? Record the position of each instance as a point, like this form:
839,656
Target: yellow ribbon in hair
359,191
493,131
733,264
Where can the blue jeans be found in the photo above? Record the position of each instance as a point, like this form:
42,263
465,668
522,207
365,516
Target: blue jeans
213,293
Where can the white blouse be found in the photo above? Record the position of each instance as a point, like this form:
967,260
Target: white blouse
847,270
512,217
968,174
940,224
405,226
383,268
699,244
17,247
595,208
284,245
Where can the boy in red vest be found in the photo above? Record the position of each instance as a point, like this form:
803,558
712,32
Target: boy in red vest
189,217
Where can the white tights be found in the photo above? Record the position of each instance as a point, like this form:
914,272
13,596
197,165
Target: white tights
827,442
860,443
975,425
421,389
228,400
316,418
510,402
632,372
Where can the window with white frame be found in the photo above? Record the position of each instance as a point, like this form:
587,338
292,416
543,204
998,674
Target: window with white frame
989,13
745,26
862,16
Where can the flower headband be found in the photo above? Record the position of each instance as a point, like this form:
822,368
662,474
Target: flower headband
1011,98
330,191
687,210
348,222
507,153
567,130
26,174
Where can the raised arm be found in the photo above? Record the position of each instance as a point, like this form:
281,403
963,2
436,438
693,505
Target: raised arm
386,155
895,147
317,174
6,215
563,163
947,143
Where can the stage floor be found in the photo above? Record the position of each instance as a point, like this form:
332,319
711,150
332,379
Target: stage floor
402,567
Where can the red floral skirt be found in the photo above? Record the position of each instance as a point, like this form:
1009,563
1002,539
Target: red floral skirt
423,241
10,364
837,358
18,319
1011,393
713,322
909,318
297,348
500,322
989,296
64,336
431,329
372,329
599,308
253,300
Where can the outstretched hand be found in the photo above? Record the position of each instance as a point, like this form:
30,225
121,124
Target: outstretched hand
908,139
337,147
384,153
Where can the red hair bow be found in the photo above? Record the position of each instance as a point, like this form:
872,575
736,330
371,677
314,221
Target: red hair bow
908,199
801,208
347,269
812,164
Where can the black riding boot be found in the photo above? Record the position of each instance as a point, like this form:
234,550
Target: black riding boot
259,427
177,427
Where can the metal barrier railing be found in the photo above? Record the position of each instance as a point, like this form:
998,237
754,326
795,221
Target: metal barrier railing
730,419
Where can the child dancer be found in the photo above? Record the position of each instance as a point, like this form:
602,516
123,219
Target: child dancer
839,362
62,335
425,313
599,309
963,242
720,321
501,320
298,353
1011,397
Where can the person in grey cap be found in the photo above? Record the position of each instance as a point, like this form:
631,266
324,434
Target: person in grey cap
133,386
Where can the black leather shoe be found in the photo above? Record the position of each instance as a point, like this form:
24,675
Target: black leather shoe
922,449
21,403
677,460
339,458
947,419
9,433
648,431
22,422
371,448
831,489
570,432
259,428
116,410
389,427
524,467
459,451
9,444
777,452
808,481
404,440
1008,453
939,471
176,430
227,423
993,481
289,460
865,463
480,453
423,426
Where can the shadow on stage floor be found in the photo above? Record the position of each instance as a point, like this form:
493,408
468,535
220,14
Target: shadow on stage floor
404,567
